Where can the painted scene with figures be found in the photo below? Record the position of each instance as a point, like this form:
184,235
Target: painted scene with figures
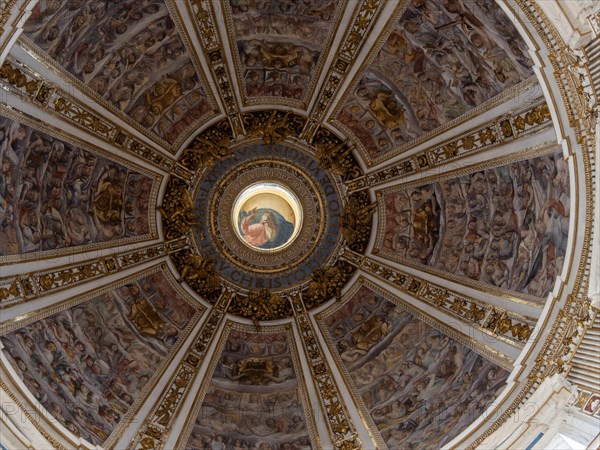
420,387
506,227
253,400
55,195
87,365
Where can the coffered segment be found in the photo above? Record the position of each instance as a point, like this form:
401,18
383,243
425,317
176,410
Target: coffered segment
254,395
416,385
281,46
105,349
19,80
56,195
505,227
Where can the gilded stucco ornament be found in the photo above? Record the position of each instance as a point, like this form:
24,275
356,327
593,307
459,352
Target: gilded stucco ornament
265,214
208,147
327,282
211,151
199,273
333,158
262,305
356,220
335,155
272,131
177,210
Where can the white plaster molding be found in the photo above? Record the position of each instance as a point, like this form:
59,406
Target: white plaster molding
549,411
594,287
573,19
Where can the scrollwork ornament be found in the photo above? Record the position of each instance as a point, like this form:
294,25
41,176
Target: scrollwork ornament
177,210
356,219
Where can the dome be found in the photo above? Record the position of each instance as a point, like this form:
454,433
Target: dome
299,224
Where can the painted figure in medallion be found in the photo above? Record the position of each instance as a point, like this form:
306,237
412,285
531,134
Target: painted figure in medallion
265,228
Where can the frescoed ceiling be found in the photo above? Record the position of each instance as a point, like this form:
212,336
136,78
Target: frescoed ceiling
505,226
280,45
441,60
286,224
128,53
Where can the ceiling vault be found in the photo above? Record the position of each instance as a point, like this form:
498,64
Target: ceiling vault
291,225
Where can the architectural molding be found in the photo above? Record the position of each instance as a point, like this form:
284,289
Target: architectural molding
497,322
21,81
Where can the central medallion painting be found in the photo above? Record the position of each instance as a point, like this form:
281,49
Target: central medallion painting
267,216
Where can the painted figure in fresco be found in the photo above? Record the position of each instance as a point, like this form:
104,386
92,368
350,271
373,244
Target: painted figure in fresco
55,195
370,333
129,53
241,411
88,364
259,233
386,109
146,318
441,60
412,374
505,226
265,228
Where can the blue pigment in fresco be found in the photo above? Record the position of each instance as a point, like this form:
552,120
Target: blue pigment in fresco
325,248
264,228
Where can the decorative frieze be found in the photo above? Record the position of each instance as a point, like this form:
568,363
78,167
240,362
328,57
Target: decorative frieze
26,84
5,12
506,128
204,20
342,430
354,39
492,320
30,286
155,429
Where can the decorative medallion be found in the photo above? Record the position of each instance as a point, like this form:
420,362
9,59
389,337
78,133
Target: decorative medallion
226,196
265,215
293,238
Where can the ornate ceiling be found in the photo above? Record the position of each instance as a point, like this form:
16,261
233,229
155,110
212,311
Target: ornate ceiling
286,225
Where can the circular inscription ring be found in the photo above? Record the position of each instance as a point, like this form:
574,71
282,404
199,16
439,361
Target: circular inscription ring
226,226
272,216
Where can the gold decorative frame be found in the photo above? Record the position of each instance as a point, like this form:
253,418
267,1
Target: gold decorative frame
278,171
